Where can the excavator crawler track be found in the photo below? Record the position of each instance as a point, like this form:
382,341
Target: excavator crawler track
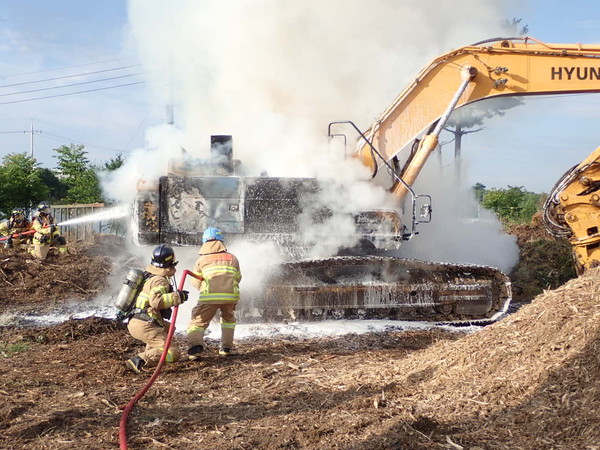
376,287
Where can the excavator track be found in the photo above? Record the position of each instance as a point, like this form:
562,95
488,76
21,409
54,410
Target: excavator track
376,287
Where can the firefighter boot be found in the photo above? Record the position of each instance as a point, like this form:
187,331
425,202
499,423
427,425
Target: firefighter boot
225,351
136,364
226,340
195,352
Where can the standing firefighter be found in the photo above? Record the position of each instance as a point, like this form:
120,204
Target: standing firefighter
15,225
153,306
219,290
46,233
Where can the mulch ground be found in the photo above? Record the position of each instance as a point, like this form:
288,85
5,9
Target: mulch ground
529,381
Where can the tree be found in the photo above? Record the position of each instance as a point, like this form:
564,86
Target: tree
479,191
21,184
75,171
514,204
514,27
57,189
114,163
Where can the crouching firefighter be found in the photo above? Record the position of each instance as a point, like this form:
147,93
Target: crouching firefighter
219,290
46,233
13,227
153,308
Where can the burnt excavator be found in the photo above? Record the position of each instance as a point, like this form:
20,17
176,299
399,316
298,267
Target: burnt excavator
369,281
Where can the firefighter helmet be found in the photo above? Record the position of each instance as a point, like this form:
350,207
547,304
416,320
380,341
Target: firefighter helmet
17,212
163,256
44,207
212,234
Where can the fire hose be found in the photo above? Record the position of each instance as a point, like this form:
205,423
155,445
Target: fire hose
127,408
25,233
17,235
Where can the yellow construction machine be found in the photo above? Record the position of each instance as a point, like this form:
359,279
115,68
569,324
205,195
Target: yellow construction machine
572,211
371,280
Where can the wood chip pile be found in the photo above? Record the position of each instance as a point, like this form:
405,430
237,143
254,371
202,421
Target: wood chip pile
532,379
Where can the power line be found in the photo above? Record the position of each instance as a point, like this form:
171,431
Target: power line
72,84
8,132
68,76
59,68
71,93
58,138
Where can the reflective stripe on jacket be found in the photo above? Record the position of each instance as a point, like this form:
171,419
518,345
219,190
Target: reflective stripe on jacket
41,225
13,227
157,293
220,272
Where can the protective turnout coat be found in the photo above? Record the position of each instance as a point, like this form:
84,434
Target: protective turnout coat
220,272
157,294
11,226
41,225
219,291
147,324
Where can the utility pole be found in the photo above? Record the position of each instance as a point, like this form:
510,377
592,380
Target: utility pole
458,134
31,140
31,133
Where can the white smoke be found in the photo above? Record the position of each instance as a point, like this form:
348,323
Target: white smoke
274,74
461,230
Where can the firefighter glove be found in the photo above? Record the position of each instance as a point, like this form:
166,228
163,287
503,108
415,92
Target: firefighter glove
166,313
44,238
53,229
122,316
183,296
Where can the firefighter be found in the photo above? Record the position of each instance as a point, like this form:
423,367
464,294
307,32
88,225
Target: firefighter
15,225
219,290
153,308
46,233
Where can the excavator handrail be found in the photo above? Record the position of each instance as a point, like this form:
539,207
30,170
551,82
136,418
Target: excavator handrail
414,196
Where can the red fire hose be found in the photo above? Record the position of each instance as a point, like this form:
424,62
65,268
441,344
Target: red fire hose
17,235
127,409
24,233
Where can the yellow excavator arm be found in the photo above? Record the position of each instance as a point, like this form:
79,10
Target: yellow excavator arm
498,67
572,211
408,130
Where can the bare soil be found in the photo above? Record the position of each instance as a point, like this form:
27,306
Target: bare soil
530,381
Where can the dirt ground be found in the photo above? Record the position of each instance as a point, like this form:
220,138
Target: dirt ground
530,381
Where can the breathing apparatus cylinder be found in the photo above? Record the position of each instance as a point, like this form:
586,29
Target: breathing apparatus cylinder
129,291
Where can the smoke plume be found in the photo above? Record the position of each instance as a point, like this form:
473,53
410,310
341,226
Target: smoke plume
274,74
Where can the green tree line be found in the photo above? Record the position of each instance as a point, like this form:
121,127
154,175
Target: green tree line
24,183
512,205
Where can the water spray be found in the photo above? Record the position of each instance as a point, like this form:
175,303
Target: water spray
116,212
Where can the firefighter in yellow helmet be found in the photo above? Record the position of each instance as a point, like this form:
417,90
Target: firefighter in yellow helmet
46,233
219,290
16,224
153,308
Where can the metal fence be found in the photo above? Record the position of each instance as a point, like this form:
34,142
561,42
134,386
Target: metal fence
84,231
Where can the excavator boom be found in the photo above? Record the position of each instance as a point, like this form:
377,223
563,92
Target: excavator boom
503,67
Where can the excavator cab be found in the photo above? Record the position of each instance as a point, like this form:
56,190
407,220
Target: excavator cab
197,194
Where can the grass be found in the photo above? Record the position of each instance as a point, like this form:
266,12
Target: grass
8,350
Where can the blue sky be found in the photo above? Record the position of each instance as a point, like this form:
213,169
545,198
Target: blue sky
85,44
